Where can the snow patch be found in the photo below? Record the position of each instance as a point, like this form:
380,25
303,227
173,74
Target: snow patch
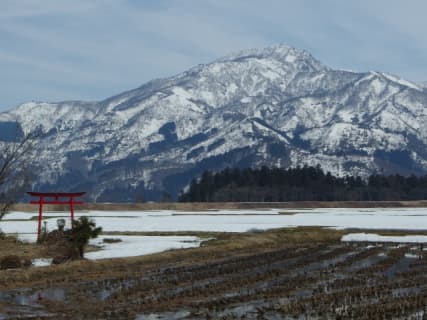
372,237
131,246
41,262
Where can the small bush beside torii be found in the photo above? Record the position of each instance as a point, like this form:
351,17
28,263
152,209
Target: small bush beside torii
70,244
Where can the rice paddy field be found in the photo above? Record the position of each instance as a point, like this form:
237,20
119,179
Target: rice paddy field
255,263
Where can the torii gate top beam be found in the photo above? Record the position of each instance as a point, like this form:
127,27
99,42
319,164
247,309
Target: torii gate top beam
56,194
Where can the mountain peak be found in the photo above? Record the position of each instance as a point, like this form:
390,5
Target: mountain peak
279,52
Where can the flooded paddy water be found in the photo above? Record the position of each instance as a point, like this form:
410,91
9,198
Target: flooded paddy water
316,281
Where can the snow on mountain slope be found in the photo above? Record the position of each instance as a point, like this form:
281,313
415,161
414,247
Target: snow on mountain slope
275,106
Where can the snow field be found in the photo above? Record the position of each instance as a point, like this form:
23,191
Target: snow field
231,220
221,221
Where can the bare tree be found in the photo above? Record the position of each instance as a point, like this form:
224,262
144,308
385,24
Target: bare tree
15,160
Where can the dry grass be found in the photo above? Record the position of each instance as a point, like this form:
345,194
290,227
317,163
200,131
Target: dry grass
226,205
11,246
223,246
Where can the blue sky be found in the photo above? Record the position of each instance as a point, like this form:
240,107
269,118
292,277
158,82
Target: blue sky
53,50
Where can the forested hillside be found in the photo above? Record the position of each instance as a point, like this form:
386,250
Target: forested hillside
301,184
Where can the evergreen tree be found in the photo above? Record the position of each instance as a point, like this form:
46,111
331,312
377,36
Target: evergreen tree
83,230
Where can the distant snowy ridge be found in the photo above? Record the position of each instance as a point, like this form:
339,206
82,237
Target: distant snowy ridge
276,106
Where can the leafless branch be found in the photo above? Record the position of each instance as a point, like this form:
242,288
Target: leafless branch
15,159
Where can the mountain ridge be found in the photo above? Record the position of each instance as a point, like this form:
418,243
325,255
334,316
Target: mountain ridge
275,106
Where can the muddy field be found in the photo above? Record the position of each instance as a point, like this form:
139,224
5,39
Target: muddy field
302,273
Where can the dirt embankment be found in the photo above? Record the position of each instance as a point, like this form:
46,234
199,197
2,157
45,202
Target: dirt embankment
226,205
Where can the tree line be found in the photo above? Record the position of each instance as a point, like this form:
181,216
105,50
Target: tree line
300,184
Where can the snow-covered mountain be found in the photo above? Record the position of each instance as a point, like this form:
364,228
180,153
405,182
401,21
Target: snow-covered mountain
276,106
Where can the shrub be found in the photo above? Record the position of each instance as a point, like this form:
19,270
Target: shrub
83,230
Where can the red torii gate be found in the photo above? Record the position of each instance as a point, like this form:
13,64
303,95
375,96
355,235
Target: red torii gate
55,199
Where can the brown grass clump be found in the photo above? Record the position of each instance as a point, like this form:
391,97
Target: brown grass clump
14,262
111,240
10,262
12,246
59,247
